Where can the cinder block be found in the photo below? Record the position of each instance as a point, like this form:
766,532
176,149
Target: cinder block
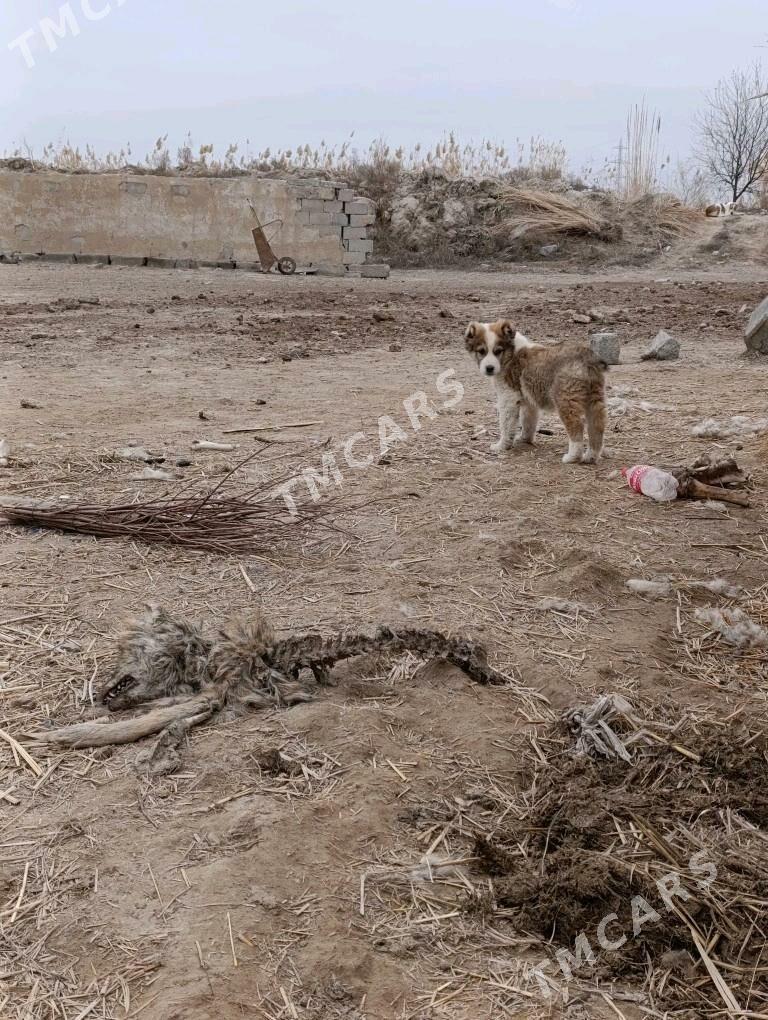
345,195
607,347
320,219
375,271
131,261
249,267
332,231
333,207
366,247
355,233
340,219
187,264
302,217
92,260
330,269
353,258
360,207
312,204
156,262
52,256
326,191
362,220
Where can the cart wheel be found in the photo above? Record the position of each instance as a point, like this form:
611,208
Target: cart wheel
286,266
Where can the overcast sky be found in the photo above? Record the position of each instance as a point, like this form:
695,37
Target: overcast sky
289,72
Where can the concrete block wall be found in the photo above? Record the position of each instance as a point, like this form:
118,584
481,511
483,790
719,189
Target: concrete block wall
181,221
339,213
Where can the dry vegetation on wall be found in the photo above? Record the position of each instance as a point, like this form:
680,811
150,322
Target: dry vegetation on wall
455,202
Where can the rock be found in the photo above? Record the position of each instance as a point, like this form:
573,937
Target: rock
444,313
756,336
663,348
382,316
63,305
608,315
395,348
548,250
183,462
580,317
607,347
29,406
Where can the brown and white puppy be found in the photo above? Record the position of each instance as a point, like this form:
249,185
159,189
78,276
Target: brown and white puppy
720,209
529,378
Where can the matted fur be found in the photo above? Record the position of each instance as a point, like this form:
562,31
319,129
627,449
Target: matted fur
158,656
242,663
529,378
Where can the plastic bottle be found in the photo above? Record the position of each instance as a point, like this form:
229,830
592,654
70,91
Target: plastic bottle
652,481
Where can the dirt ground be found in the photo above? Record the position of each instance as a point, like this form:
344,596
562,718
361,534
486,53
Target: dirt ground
225,889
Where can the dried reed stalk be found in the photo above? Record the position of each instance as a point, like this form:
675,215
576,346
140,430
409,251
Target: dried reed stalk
250,521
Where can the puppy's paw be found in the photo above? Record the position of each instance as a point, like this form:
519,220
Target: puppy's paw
524,441
588,457
572,458
499,447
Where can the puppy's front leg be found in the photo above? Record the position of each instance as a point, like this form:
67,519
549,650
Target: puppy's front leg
508,405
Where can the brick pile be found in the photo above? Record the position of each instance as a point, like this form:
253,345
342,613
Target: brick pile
335,211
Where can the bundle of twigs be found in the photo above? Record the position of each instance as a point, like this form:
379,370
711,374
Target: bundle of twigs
248,521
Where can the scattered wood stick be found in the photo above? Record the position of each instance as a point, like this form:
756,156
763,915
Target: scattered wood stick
21,894
271,428
21,752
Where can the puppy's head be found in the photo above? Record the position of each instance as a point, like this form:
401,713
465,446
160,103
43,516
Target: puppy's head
489,342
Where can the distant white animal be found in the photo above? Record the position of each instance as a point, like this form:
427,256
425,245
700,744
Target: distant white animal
720,209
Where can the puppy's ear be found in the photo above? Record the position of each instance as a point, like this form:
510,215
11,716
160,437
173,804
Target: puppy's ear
471,335
508,331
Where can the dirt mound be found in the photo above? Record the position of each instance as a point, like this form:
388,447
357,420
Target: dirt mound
430,217
671,849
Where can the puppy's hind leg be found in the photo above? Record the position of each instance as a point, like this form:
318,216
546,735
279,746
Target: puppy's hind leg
529,423
572,416
596,423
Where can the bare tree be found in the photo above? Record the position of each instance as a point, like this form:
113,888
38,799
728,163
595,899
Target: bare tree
733,131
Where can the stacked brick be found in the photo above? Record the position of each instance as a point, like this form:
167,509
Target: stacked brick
335,211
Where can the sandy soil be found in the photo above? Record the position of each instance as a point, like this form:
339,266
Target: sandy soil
224,890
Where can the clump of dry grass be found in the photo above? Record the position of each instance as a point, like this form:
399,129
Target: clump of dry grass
523,210
662,215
